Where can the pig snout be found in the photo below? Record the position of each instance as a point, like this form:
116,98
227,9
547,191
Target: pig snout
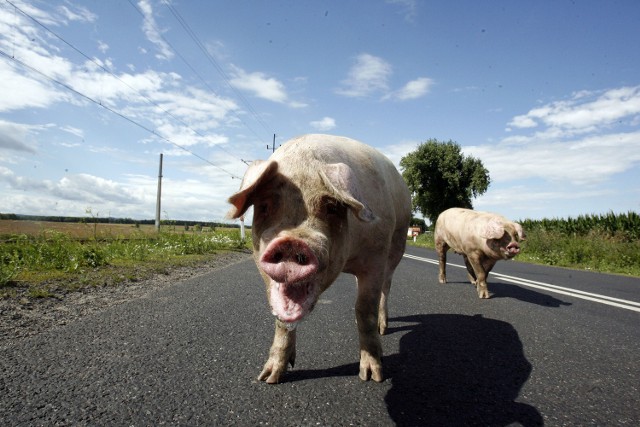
513,249
288,260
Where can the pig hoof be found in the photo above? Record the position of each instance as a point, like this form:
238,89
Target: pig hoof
375,373
275,368
270,376
370,368
483,295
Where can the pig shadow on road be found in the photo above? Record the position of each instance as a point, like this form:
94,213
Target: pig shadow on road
505,290
458,370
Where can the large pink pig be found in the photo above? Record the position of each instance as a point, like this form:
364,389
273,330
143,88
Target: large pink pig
325,205
482,238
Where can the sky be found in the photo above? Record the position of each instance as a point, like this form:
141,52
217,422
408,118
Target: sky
545,93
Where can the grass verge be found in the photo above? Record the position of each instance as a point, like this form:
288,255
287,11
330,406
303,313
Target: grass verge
52,263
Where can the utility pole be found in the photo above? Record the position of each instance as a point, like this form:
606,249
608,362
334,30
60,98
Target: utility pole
159,195
273,146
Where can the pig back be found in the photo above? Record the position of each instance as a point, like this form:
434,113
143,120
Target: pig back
460,229
467,231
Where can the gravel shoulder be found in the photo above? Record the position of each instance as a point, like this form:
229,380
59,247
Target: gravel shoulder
22,317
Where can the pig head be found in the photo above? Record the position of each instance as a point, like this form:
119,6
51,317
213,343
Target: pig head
323,205
482,238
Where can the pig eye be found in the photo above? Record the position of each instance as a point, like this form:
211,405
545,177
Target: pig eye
333,208
264,207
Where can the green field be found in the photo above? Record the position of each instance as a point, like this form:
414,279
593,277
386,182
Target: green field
42,258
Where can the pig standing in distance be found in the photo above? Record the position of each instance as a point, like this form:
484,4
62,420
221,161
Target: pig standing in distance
482,238
324,205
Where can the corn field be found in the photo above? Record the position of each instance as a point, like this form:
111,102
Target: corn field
624,227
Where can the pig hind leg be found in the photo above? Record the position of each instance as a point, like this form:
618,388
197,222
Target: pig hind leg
383,311
398,245
442,248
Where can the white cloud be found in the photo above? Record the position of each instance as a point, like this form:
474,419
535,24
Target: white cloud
21,182
589,161
529,201
369,74
584,111
396,152
15,137
162,101
153,33
217,49
20,90
73,131
409,8
521,122
93,189
153,97
194,105
102,46
262,86
82,187
564,155
413,89
79,14
323,125
584,140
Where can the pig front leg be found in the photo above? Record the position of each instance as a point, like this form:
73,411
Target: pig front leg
282,353
367,305
470,271
477,271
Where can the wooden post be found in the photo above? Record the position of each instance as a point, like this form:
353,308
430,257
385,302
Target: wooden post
159,195
273,146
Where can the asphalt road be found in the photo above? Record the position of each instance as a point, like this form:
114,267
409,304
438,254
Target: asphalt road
189,355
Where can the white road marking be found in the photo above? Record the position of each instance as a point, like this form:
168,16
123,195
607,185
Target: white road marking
602,299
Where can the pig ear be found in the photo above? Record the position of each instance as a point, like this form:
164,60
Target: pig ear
520,231
339,178
493,229
259,171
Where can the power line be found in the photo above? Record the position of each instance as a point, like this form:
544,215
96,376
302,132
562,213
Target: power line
212,60
16,8
129,119
218,68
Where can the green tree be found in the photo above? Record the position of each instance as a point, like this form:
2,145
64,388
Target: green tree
440,177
